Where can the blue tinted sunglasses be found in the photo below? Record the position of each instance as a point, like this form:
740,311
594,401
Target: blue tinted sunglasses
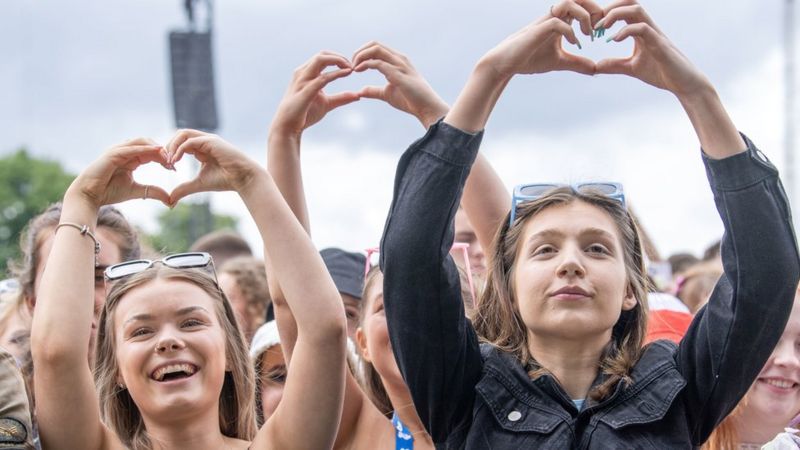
528,192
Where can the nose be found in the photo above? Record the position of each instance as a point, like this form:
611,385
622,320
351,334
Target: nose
570,264
168,342
785,355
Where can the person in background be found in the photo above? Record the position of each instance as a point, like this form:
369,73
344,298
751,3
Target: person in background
772,403
347,270
267,357
222,245
244,281
16,426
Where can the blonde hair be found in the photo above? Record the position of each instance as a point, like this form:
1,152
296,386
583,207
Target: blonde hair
237,398
498,321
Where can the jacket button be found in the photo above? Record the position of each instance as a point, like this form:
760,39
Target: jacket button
514,416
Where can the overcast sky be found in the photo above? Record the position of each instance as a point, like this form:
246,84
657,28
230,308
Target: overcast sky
80,76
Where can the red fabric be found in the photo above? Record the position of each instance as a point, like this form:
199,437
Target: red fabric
666,324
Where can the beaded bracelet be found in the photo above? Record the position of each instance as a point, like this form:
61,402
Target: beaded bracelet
84,230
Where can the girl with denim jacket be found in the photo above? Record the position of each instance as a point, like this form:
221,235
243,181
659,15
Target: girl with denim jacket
562,320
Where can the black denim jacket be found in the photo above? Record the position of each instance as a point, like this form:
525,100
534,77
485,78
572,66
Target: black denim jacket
476,397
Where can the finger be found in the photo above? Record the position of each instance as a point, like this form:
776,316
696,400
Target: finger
376,92
321,61
638,30
341,99
180,137
137,141
380,52
389,71
197,146
595,11
132,156
570,10
615,66
558,26
149,192
184,189
629,14
324,79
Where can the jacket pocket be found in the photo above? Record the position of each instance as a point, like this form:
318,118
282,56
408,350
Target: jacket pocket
647,403
516,412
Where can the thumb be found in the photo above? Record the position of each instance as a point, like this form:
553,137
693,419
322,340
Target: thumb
376,92
337,100
184,189
614,66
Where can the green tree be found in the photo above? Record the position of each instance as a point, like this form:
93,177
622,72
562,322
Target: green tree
27,186
182,225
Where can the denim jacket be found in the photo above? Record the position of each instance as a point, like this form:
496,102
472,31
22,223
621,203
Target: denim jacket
477,397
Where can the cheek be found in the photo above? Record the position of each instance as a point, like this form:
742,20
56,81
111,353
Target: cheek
271,395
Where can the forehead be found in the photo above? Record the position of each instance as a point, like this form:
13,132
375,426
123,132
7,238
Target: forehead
162,298
793,325
109,247
462,222
571,219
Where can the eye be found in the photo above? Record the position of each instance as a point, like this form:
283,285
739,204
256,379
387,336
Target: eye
351,314
276,375
598,249
543,250
140,332
190,323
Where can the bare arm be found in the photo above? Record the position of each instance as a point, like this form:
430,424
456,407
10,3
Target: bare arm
67,409
309,292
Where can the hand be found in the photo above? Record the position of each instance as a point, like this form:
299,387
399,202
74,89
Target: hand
110,180
406,89
304,103
222,166
537,47
655,60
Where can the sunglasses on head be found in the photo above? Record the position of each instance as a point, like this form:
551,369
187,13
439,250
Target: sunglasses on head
524,193
463,246
192,260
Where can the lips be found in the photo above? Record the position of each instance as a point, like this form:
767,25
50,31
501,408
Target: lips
570,293
779,384
173,370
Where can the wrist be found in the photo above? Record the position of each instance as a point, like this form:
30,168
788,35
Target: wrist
489,70
78,208
249,187
434,113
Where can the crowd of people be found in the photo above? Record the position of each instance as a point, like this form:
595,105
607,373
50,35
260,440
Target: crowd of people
490,321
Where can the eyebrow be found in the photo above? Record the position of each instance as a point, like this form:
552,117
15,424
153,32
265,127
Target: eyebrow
180,312
555,233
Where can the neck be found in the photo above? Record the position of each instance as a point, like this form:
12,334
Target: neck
403,406
190,432
574,362
754,428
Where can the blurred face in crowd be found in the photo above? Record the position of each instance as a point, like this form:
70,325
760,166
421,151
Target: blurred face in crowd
272,379
464,232
776,392
352,308
109,255
569,273
230,287
373,335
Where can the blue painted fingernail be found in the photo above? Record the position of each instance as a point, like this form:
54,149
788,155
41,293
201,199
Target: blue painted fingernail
610,39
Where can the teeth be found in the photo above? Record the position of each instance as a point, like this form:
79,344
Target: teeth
172,368
780,383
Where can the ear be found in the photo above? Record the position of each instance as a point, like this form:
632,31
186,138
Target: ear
361,342
30,302
629,301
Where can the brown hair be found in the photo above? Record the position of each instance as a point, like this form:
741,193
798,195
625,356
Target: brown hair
251,278
31,239
237,398
497,318
370,380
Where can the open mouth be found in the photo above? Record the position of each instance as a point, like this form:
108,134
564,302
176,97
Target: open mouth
779,383
171,372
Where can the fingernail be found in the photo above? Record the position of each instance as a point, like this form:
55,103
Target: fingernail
611,38
579,45
599,24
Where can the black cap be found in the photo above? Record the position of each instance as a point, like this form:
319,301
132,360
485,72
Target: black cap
346,269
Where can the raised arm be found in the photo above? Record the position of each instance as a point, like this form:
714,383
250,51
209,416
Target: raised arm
303,105
731,338
309,292
66,401
485,197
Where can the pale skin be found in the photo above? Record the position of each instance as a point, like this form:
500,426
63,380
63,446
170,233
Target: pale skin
68,409
363,425
537,48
